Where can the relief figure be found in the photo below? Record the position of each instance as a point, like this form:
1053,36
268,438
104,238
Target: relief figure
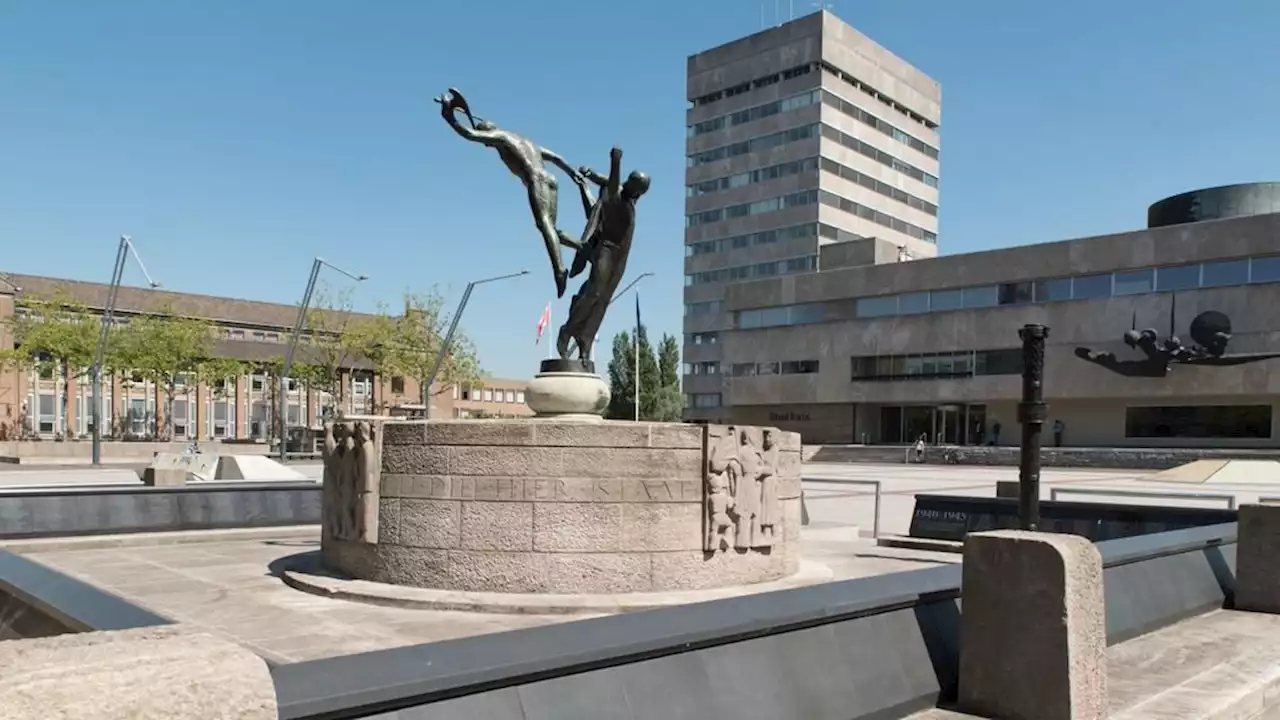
746,496
718,521
770,519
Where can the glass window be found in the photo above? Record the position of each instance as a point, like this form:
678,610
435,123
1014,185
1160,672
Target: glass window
1264,269
1225,272
878,306
999,362
1178,277
979,297
912,365
800,367
509,396
488,395
1199,421
946,300
1053,290
767,368
1135,282
913,303
1016,293
1087,287
520,396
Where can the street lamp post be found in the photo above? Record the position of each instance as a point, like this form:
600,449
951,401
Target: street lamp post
448,337
293,344
125,249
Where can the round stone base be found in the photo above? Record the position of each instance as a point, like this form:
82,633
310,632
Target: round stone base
310,578
567,390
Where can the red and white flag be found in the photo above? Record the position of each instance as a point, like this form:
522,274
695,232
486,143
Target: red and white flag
543,322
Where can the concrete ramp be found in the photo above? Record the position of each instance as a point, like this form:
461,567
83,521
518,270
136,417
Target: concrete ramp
1194,472
168,469
254,467
1221,472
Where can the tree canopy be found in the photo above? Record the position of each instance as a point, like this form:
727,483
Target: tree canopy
660,396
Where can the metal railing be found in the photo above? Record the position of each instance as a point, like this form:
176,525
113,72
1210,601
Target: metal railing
875,521
1230,499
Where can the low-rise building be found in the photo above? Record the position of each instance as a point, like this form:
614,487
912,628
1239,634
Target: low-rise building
38,405
887,353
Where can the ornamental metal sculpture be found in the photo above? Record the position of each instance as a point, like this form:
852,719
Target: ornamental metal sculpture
1210,333
605,243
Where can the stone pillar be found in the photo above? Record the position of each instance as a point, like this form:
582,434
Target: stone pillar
1257,579
153,673
1033,627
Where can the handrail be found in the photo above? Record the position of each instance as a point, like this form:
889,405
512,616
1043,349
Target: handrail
875,527
1231,499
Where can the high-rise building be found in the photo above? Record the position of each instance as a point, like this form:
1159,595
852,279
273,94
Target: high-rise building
804,136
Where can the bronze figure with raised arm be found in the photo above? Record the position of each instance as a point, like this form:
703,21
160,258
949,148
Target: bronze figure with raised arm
526,161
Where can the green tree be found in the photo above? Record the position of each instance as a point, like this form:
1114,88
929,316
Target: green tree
418,335
56,336
660,396
167,350
336,337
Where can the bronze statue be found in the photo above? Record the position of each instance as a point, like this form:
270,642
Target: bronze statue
605,245
1210,331
525,160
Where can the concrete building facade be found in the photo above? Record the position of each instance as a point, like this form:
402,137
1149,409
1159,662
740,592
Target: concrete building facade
35,405
800,138
889,353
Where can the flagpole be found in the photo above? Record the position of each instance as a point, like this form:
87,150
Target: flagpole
637,356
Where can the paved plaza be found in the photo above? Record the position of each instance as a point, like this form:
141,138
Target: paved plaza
228,581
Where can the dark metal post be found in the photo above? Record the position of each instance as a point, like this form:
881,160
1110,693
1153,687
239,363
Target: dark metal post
1031,413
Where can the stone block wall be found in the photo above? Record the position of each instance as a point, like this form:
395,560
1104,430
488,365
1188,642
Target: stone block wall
533,506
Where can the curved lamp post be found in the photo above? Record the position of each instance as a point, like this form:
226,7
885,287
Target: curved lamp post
448,338
123,252
293,344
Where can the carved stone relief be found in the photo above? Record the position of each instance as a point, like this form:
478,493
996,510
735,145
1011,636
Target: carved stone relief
743,508
352,472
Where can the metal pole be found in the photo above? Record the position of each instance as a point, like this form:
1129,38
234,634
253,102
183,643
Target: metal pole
1031,413
637,378
108,313
293,346
448,338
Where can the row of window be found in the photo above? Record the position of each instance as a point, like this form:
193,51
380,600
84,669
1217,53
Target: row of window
880,156
709,367
924,366
754,145
484,394
831,99
1172,278
808,197
751,177
1198,421
877,217
702,338
788,367
760,82
709,307
768,237
807,99
1221,273
796,167
774,268
885,99
759,207
702,400
751,114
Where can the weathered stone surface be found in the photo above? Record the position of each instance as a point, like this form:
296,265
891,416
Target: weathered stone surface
1033,631
430,523
1258,559
577,527
537,506
151,673
497,526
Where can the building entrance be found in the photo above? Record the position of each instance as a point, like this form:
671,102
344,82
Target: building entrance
937,424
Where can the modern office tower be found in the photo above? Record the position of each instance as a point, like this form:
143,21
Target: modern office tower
804,136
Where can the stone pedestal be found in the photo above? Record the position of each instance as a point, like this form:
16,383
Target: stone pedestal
1258,540
544,506
1033,640
568,390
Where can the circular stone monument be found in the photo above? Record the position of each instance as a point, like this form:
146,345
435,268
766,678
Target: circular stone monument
568,390
545,506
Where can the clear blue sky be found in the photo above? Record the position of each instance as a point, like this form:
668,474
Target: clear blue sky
237,139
